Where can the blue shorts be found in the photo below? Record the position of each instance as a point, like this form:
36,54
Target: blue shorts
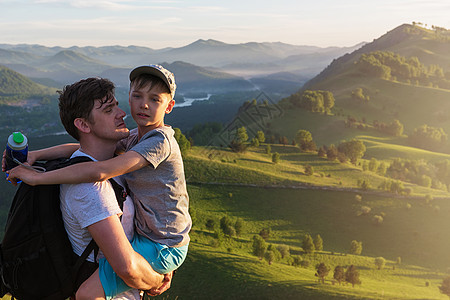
162,258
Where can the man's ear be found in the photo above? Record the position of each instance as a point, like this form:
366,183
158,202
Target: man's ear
170,106
82,125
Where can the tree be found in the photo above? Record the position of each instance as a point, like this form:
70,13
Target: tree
210,224
308,244
265,233
258,246
380,262
268,149
237,144
382,169
254,142
358,94
339,274
328,100
183,142
373,165
226,226
377,219
318,243
353,149
260,136
309,170
445,286
352,275
238,226
284,250
304,139
322,271
297,261
395,128
355,247
322,152
276,157
269,256
332,153
283,140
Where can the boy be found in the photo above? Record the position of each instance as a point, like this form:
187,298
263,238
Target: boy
155,176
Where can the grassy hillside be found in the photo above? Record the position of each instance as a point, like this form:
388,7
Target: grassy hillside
249,187
14,86
292,213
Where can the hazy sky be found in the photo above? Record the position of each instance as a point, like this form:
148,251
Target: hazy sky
166,23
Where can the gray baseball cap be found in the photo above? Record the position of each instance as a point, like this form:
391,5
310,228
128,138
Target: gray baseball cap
158,71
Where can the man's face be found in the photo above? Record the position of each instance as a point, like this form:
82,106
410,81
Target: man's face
149,106
106,120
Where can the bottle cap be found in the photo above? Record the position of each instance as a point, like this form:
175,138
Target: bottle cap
17,141
18,137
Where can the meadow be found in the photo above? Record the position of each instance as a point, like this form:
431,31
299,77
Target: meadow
227,269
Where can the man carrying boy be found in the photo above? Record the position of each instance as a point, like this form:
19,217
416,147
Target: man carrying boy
90,114
155,176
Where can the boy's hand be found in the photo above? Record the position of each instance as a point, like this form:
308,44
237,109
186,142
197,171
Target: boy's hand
31,159
164,287
22,173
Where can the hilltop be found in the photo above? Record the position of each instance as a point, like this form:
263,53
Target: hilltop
400,76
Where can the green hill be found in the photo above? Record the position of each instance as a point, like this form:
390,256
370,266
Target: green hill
14,86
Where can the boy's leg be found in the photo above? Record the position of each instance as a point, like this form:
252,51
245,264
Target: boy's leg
161,258
91,288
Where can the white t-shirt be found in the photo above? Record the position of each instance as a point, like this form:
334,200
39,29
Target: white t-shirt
87,203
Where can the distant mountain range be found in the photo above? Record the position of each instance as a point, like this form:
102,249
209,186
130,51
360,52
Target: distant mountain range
205,64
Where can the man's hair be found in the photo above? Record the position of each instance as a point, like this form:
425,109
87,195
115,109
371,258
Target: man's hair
150,81
78,99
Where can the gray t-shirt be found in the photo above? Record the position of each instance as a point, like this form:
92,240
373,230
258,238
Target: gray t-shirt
159,189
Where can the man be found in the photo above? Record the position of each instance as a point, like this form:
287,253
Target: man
90,114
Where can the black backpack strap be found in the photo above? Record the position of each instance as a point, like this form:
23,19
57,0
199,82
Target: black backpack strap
120,191
91,246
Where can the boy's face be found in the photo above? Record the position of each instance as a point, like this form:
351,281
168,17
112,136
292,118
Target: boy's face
106,120
149,106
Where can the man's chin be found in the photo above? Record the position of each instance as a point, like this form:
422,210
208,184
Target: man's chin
124,132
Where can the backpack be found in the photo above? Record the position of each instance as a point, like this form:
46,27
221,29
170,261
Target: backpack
36,256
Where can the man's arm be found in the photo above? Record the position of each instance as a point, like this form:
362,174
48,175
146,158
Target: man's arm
128,264
82,172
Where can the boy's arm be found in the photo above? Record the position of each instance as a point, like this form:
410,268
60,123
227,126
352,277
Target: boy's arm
128,264
65,150
82,172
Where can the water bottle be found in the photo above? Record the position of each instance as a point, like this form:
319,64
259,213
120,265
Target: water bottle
16,150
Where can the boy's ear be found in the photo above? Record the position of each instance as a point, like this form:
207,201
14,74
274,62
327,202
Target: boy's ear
82,125
170,106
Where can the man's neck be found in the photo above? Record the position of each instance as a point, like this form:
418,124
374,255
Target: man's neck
98,149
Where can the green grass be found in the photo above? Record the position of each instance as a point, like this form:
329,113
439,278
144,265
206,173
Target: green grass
255,168
229,270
